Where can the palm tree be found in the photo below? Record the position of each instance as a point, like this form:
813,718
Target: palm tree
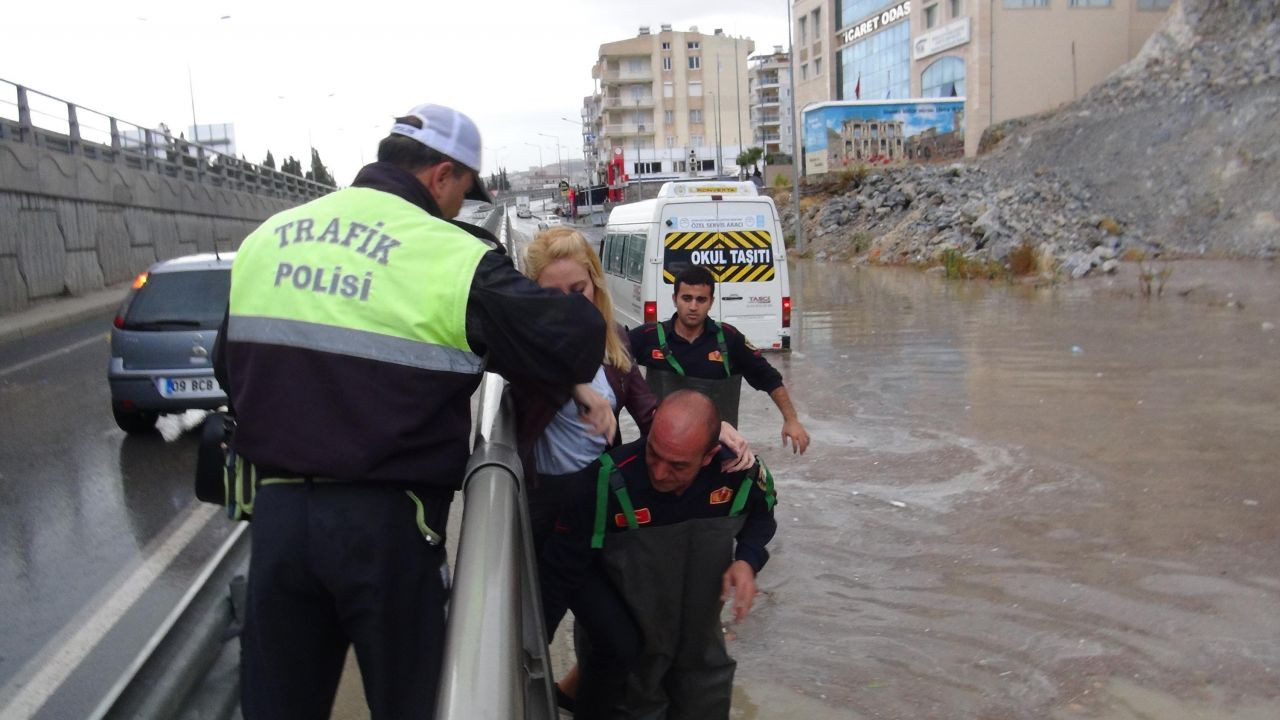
750,156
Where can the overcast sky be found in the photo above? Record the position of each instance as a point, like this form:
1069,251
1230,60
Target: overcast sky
337,73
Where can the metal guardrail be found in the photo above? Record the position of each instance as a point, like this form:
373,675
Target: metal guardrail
32,117
496,664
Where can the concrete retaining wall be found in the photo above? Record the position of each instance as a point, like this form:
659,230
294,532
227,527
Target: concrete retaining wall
70,224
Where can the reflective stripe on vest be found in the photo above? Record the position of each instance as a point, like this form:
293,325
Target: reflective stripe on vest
361,273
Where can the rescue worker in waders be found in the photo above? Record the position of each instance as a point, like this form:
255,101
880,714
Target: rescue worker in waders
648,548
692,351
357,330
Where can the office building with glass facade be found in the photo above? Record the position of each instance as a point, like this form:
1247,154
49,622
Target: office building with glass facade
1006,58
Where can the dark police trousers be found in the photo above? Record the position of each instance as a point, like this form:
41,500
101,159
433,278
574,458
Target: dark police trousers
335,565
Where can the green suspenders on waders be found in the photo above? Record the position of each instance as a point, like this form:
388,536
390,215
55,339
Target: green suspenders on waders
609,478
675,364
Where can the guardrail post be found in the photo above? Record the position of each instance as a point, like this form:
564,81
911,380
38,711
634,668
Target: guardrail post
148,150
73,130
26,131
115,136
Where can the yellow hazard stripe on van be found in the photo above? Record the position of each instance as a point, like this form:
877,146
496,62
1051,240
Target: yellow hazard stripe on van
732,273
710,240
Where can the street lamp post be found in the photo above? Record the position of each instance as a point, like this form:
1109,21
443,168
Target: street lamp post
796,147
559,164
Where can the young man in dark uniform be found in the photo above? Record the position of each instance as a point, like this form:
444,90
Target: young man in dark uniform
699,353
636,555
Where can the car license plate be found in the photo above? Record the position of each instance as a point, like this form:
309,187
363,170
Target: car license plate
188,387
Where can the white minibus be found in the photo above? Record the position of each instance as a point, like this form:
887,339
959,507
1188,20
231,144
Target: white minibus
725,226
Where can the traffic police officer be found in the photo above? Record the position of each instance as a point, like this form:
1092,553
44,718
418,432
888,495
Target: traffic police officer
637,553
358,327
690,350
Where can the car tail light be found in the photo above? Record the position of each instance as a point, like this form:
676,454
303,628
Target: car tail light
651,312
141,280
786,312
119,321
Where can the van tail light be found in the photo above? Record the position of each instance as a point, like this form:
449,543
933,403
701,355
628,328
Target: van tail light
119,321
786,312
651,312
141,280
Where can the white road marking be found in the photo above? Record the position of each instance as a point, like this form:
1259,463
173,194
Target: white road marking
57,662
50,355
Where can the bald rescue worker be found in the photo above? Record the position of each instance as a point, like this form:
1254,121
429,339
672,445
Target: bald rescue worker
655,540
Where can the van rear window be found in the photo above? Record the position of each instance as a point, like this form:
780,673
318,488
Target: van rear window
191,299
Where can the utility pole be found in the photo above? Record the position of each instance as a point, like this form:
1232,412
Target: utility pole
719,149
737,93
796,147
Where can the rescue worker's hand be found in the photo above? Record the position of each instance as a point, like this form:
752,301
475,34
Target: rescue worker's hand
737,444
792,430
595,411
739,582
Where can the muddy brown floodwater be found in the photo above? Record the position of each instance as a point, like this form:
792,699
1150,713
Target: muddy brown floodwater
1023,502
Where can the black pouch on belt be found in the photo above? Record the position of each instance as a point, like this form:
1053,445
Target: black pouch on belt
221,477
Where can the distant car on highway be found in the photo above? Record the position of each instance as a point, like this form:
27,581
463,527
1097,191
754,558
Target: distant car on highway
522,207
549,221
162,340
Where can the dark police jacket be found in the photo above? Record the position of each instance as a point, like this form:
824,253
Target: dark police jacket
352,418
702,357
568,557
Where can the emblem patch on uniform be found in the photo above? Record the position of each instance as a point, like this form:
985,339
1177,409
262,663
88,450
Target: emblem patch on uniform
657,354
715,356
721,496
642,518
749,345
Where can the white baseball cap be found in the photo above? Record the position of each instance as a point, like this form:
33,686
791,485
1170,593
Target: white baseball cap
451,133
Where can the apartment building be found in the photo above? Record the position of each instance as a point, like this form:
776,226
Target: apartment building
769,84
671,103
1006,58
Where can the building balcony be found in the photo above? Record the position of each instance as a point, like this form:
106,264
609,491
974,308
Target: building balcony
627,103
614,77
625,129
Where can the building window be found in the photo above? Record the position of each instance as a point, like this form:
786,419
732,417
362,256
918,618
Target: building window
695,117
804,71
668,118
666,45
706,165
879,66
1154,4
694,45
852,11
695,62
1089,3
957,8
678,166
931,16
695,140
648,167
666,64
671,141
802,29
1013,4
943,78
635,65
695,89
817,67
817,23
668,90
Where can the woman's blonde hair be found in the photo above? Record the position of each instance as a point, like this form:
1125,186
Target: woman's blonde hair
564,243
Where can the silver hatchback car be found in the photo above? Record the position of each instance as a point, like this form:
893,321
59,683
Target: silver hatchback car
162,340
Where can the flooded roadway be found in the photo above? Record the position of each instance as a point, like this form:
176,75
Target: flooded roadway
1023,503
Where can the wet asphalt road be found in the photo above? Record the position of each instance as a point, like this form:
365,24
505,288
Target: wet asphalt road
100,533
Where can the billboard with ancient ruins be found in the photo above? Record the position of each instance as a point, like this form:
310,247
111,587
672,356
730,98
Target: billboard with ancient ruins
839,135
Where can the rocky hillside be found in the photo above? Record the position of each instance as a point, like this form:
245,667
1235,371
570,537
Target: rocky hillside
1177,153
